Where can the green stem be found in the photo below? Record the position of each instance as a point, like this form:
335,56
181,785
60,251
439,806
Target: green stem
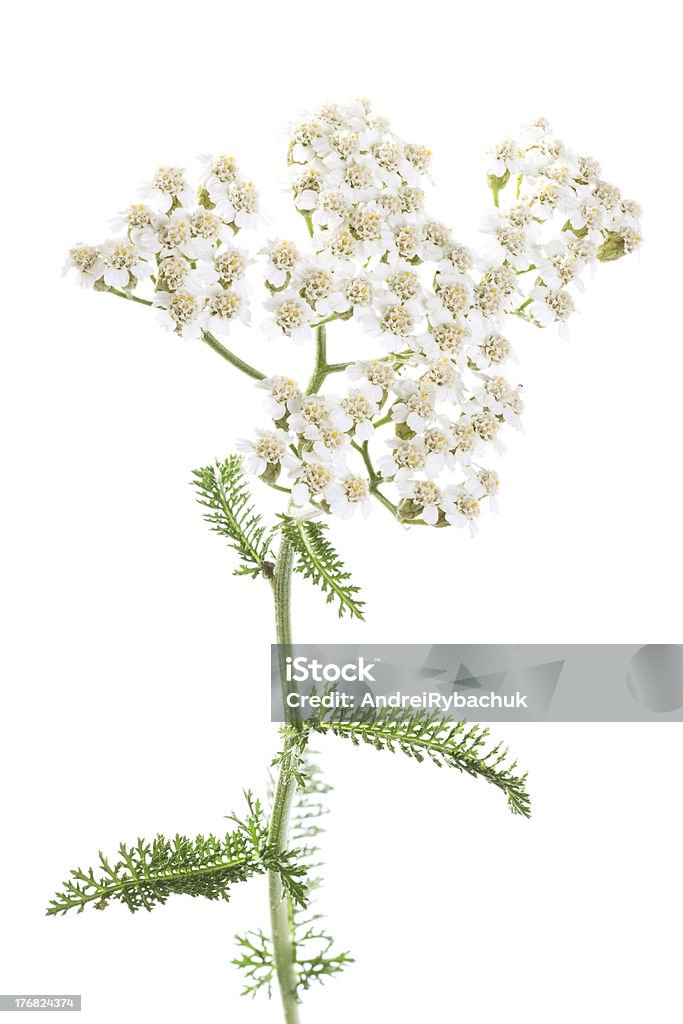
230,357
497,184
385,419
326,320
284,950
520,311
320,369
364,452
376,493
376,480
207,337
131,298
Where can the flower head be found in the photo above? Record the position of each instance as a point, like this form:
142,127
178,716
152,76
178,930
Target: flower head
428,395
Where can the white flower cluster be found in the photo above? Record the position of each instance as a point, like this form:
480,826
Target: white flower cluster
182,241
433,315
561,218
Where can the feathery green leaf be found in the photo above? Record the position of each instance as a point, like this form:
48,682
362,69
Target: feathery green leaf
423,735
318,561
145,875
222,490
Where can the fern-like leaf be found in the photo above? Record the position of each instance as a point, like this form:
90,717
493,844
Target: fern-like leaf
222,490
315,960
145,875
257,962
423,735
318,561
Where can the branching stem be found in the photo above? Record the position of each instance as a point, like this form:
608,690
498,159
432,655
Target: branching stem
376,480
326,320
385,419
322,368
520,312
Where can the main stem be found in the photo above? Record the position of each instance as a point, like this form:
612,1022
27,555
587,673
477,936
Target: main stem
281,924
281,917
284,949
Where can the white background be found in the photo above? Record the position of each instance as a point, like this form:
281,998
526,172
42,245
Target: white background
135,697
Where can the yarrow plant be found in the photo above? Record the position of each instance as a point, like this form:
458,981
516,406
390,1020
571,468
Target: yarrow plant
425,406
